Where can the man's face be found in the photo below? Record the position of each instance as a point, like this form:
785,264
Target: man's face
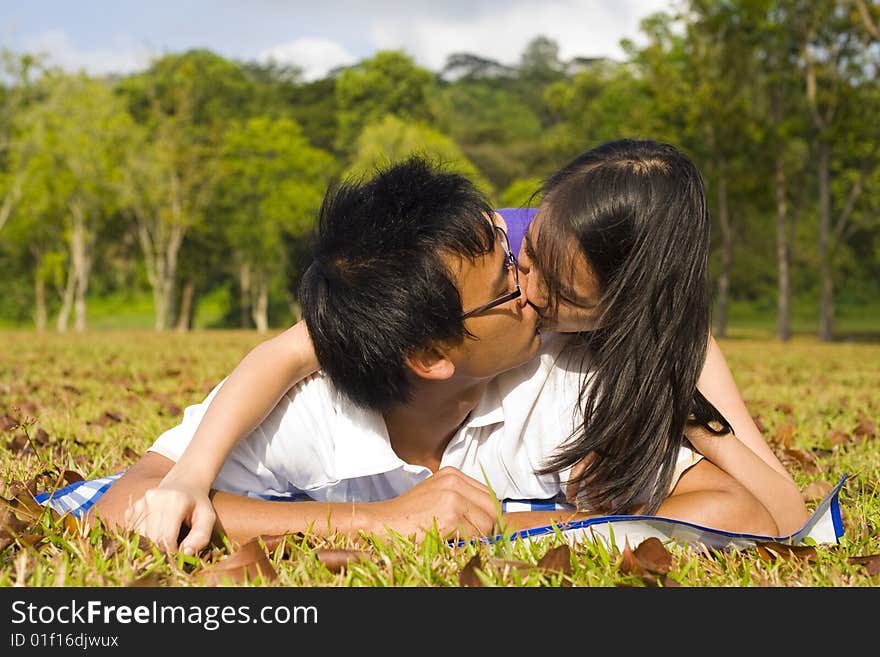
506,335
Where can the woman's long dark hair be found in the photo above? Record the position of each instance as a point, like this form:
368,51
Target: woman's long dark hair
637,209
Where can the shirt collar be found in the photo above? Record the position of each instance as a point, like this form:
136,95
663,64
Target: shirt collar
363,448
489,409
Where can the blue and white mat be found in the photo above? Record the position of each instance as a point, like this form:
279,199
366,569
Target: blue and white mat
825,526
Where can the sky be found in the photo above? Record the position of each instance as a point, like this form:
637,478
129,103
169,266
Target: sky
122,36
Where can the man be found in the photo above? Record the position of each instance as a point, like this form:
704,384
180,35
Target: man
430,405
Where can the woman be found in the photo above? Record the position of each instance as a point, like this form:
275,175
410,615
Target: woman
616,254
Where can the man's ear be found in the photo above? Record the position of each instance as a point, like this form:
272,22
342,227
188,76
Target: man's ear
430,363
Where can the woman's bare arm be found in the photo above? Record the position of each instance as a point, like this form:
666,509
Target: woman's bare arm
253,389
746,455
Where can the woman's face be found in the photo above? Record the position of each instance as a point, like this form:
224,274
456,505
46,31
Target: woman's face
579,287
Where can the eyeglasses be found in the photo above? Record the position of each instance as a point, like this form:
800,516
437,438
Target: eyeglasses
509,264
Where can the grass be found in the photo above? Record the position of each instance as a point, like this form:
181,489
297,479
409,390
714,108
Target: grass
91,403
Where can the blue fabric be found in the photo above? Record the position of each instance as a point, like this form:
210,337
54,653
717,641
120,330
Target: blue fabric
518,220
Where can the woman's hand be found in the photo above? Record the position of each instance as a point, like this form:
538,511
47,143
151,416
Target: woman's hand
163,512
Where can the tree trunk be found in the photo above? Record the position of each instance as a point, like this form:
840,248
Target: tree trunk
82,264
244,280
184,317
720,329
66,301
826,282
39,303
783,254
260,306
160,244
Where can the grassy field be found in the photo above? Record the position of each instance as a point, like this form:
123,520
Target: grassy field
86,405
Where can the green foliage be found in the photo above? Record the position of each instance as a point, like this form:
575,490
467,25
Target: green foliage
521,193
392,139
271,183
388,83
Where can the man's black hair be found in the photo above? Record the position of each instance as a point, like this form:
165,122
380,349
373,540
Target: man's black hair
379,284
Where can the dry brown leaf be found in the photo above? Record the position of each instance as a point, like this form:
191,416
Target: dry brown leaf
838,438
816,491
629,562
784,408
764,554
468,575
337,560
9,520
29,539
865,428
508,564
783,435
41,437
653,556
786,552
244,564
871,563
803,458
151,580
557,559
669,583
759,423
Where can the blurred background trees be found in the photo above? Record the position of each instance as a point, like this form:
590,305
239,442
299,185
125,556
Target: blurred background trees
182,196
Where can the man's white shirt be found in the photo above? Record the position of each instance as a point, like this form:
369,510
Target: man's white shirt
317,444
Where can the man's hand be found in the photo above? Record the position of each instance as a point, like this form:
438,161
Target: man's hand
162,512
460,506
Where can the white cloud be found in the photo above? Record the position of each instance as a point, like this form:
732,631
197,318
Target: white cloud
316,57
580,28
121,56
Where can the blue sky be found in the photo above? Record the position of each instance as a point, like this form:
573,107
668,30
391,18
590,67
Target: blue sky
103,36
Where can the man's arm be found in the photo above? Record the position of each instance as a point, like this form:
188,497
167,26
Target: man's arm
458,505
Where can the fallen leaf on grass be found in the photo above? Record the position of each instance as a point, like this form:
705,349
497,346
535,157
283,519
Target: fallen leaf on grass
838,438
816,491
653,556
647,561
468,575
246,563
865,428
150,580
769,550
871,563
10,524
805,459
337,560
508,564
783,435
557,559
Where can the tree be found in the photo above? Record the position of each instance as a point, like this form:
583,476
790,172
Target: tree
271,183
388,83
182,103
392,139
76,134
